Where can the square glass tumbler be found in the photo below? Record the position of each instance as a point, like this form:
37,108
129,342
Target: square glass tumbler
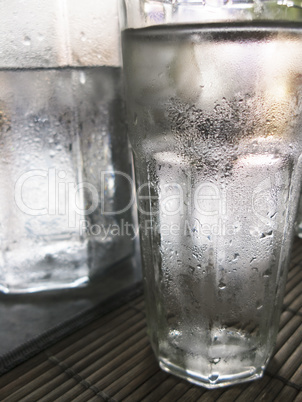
214,106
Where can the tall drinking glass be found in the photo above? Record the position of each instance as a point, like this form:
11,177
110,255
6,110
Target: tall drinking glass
214,93
65,165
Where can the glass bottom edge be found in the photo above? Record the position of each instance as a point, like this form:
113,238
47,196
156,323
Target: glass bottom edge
217,382
40,287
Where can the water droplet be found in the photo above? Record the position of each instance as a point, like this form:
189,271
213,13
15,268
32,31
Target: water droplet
216,360
52,153
255,269
175,333
213,377
267,273
236,255
259,306
83,37
82,77
135,119
26,41
198,266
40,37
222,285
267,234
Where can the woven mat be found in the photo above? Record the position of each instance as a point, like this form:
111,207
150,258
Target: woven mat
110,360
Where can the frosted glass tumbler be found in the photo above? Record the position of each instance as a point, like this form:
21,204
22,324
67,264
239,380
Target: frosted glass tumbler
65,168
214,106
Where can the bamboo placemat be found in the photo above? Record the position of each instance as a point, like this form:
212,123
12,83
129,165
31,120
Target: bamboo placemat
110,360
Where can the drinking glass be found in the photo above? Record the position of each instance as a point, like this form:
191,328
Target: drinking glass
65,169
214,108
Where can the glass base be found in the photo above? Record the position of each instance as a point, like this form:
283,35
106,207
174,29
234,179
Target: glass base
39,287
213,380
59,265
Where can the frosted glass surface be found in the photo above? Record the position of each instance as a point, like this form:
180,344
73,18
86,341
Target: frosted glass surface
43,33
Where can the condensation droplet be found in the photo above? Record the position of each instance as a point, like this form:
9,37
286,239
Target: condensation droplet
222,285
52,154
26,41
82,77
175,333
135,119
83,37
267,273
